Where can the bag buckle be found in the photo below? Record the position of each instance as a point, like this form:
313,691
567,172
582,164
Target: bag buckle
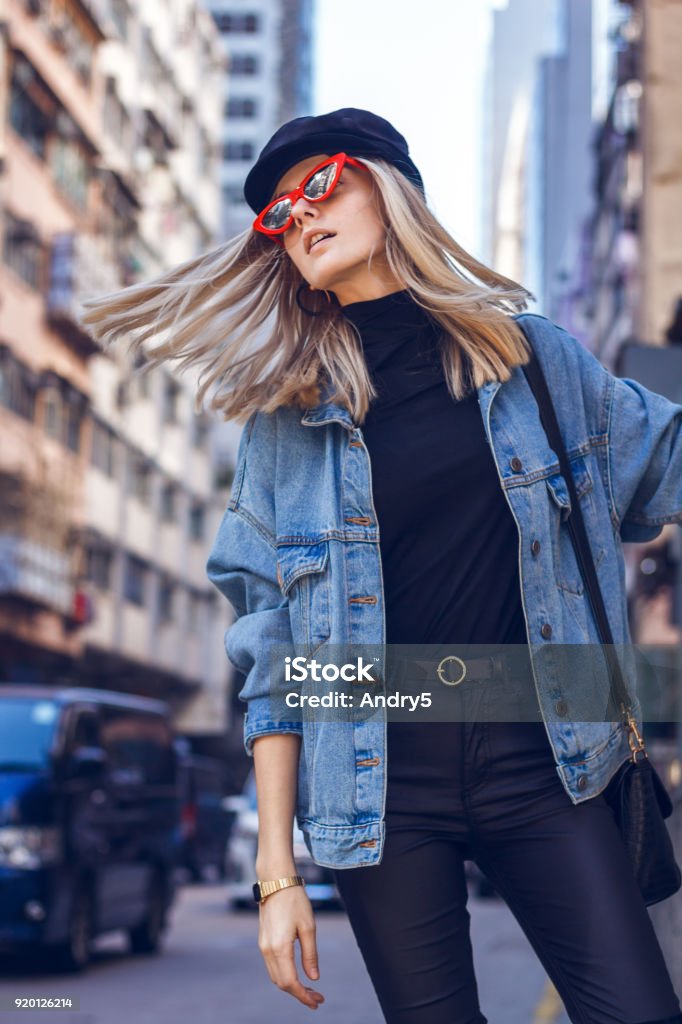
635,739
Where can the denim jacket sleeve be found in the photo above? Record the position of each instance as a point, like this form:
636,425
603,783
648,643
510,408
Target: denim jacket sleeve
242,564
644,434
645,445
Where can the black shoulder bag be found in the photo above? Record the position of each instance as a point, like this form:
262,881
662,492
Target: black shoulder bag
636,794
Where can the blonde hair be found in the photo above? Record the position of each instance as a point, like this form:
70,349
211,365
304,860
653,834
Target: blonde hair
232,312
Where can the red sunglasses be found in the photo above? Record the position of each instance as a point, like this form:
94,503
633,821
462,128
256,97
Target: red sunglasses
318,184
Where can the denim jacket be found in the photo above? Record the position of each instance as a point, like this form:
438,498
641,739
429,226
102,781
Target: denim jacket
299,544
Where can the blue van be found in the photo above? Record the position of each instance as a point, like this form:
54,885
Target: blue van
89,819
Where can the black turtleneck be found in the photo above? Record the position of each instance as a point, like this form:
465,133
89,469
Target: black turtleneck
449,544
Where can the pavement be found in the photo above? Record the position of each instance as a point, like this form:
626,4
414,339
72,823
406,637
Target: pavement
211,972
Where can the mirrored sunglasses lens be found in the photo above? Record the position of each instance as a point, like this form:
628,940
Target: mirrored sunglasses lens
278,215
320,182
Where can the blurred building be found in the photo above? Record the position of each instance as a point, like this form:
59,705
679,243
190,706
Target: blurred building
631,274
112,118
547,71
559,175
269,43
629,281
584,202
50,148
522,32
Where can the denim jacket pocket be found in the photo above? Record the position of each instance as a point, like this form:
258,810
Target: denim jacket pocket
568,575
303,575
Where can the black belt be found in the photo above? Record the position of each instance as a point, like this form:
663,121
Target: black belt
451,670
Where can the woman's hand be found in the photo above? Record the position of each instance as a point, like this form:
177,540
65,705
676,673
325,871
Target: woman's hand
283,916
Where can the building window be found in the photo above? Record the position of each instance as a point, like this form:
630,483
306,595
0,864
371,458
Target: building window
197,520
171,395
52,413
98,562
73,423
116,120
152,67
63,413
134,580
240,106
65,33
166,600
236,23
169,503
140,478
26,115
194,605
70,169
18,386
238,150
243,64
23,251
200,432
103,448
141,374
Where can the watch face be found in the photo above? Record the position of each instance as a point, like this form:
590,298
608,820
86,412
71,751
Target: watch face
256,892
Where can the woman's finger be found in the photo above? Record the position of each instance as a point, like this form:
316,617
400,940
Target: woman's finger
279,927
289,981
306,936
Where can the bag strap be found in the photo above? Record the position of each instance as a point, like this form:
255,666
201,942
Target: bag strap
620,701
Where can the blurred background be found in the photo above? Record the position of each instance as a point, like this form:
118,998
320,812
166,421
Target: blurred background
548,135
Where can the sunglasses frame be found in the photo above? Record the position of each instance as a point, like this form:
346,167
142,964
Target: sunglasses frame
341,159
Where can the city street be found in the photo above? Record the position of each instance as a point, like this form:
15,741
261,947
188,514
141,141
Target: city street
223,222
211,971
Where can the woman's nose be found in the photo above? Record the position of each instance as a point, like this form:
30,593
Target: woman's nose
301,208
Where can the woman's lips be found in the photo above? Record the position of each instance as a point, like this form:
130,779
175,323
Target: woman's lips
320,242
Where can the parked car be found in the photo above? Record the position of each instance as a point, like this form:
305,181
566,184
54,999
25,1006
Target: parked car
204,821
88,820
241,856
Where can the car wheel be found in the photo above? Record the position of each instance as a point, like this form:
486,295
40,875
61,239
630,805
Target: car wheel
75,954
146,937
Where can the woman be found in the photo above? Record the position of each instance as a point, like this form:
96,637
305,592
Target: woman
424,508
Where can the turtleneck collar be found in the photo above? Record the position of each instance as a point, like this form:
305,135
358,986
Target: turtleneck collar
396,308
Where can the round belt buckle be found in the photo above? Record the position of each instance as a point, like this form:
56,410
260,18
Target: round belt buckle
451,682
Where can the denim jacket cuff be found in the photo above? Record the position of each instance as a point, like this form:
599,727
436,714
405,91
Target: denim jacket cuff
266,727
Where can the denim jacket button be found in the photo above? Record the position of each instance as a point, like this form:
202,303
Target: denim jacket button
516,464
561,707
546,630
582,782
535,547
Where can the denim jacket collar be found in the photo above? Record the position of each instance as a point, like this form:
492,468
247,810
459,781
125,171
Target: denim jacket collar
328,411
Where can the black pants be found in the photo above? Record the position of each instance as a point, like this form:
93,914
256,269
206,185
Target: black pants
489,791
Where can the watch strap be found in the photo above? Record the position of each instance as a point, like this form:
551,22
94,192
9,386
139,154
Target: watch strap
264,888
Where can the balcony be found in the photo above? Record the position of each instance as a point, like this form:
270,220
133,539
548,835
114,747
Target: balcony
79,268
36,573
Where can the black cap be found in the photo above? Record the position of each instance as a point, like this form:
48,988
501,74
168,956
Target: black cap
349,130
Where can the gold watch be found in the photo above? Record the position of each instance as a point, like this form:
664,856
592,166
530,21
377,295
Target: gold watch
262,889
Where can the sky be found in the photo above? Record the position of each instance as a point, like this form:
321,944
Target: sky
421,65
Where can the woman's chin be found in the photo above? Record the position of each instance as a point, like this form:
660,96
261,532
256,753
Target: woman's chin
323,283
